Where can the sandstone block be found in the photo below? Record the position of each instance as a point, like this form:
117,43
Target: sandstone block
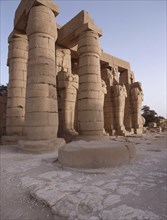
18,74
89,78
52,119
40,133
69,106
41,40
88,94
90,60
93,116
36,119
89,104
90,86
52,92
14,130
16,102
41,145
39,18
42,79
15,112
18,64
17,53
16,92
91,69
96,154
14,121
91,126
37,90
40,104
41,52
17,84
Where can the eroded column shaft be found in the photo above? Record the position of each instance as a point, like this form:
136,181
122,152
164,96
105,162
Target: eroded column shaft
17,61
41,118
90,107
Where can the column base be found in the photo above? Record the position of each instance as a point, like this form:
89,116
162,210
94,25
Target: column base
91,138
11,140
96,154
130,132
138,130
42,145
69,135
121,133
91,133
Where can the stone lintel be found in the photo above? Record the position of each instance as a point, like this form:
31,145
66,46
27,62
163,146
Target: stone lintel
106,60
114,61
21,15
69,33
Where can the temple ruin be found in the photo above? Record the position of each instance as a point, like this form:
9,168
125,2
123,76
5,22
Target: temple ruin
62,85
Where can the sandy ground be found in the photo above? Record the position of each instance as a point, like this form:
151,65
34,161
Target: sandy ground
37,187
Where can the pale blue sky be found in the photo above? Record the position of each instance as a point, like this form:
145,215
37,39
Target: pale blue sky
132,30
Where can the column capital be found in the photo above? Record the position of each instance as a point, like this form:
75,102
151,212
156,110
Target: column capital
16,34
89,43
23,10
41,21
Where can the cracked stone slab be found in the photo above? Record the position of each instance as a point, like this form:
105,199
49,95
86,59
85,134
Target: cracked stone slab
132,191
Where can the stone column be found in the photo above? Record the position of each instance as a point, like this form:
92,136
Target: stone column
119,100
41,112
136,100
17,61
90,110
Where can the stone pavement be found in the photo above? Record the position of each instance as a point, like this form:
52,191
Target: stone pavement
136,191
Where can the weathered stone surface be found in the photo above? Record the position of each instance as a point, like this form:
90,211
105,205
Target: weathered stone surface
41,145
96,154
41,118
97,93
23,10
68,82
122,192
17,61
89,56
69,33
137,98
